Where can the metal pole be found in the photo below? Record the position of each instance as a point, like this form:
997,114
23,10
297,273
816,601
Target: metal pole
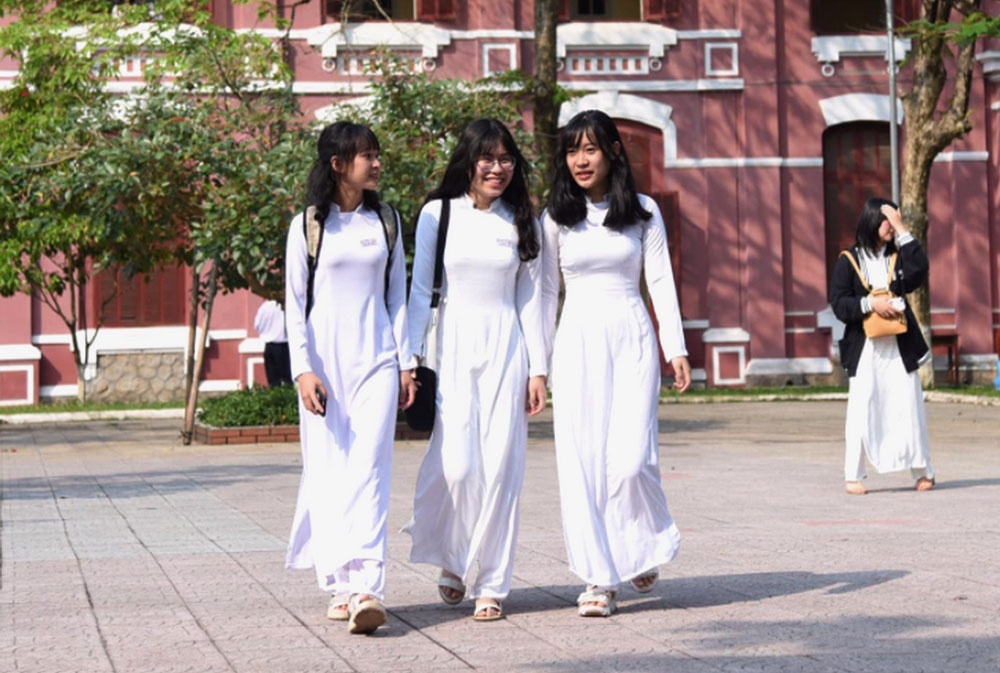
893,125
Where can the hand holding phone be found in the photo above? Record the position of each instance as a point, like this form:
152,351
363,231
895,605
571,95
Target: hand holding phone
322,401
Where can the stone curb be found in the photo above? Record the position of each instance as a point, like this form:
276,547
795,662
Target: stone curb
152,414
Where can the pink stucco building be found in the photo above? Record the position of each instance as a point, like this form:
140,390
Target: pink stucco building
760,126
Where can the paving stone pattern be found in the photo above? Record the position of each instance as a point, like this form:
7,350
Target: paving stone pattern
125,551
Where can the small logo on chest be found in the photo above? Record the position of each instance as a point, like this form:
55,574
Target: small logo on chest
368,242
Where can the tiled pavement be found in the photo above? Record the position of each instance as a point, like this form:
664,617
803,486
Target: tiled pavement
124,551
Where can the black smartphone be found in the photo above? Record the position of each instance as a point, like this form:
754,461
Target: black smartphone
322,402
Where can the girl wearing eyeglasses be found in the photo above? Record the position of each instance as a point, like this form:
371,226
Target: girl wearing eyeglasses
600,233
492,370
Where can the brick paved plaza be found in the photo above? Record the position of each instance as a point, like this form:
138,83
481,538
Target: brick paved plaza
124,551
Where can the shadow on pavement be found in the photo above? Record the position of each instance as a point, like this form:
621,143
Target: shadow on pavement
670,594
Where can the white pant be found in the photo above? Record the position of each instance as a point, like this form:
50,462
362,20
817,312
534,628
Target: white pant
360,576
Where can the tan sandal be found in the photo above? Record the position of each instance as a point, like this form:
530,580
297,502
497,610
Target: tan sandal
924,484
367,614
338,610
855,488
483,607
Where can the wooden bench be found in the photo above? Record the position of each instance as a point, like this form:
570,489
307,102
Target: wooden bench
948,339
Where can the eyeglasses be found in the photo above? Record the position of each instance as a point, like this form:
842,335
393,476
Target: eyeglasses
486,163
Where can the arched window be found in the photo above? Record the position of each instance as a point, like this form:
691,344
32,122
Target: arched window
846,17
856,167
385,10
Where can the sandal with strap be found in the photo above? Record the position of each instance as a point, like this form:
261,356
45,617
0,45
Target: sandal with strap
367,614
483,607
447,581
338,610
650,576
596,602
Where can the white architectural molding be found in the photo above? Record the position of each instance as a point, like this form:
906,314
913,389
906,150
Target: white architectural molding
635,108
950,157
29,383
331,113
251,363
786,366
614,35
721,350
219,385
61,390
509,47
725,335
426,37
747,162
51,339
710,34
991,64
800,314
854,107
699,374
251,345
11,352
227,334
831,48
734,55
728,84
695,324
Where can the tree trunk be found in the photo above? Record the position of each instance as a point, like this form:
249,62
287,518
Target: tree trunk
192,331
546,109
931,127
199,362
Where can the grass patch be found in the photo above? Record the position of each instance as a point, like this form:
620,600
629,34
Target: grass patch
974,391
252,406
63,406
670,393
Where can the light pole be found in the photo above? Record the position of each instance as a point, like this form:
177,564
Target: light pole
893,125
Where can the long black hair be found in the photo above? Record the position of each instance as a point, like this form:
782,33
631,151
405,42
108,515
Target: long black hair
568,201
344,140
479,138
871,219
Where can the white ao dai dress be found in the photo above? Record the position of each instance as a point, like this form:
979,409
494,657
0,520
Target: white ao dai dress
886,420
490,338
605,391
354,339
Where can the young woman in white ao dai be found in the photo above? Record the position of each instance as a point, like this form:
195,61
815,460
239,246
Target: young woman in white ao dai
352,348
490,341
606,364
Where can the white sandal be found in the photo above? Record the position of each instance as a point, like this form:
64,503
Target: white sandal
339,608
453,583
602,602
483,606
653,575
366,615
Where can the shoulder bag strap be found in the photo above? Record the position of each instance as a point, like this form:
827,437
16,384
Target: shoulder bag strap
850,258
442,236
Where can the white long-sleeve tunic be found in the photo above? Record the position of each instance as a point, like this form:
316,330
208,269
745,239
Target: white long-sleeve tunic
465,510
605,391
355,339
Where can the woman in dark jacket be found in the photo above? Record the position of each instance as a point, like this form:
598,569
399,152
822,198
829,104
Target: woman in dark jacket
885,409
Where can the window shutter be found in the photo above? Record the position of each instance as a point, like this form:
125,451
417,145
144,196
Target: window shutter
564,11
661,10
437,10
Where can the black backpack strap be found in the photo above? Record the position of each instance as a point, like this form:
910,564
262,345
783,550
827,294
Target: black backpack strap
442,237
312,260
389,218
